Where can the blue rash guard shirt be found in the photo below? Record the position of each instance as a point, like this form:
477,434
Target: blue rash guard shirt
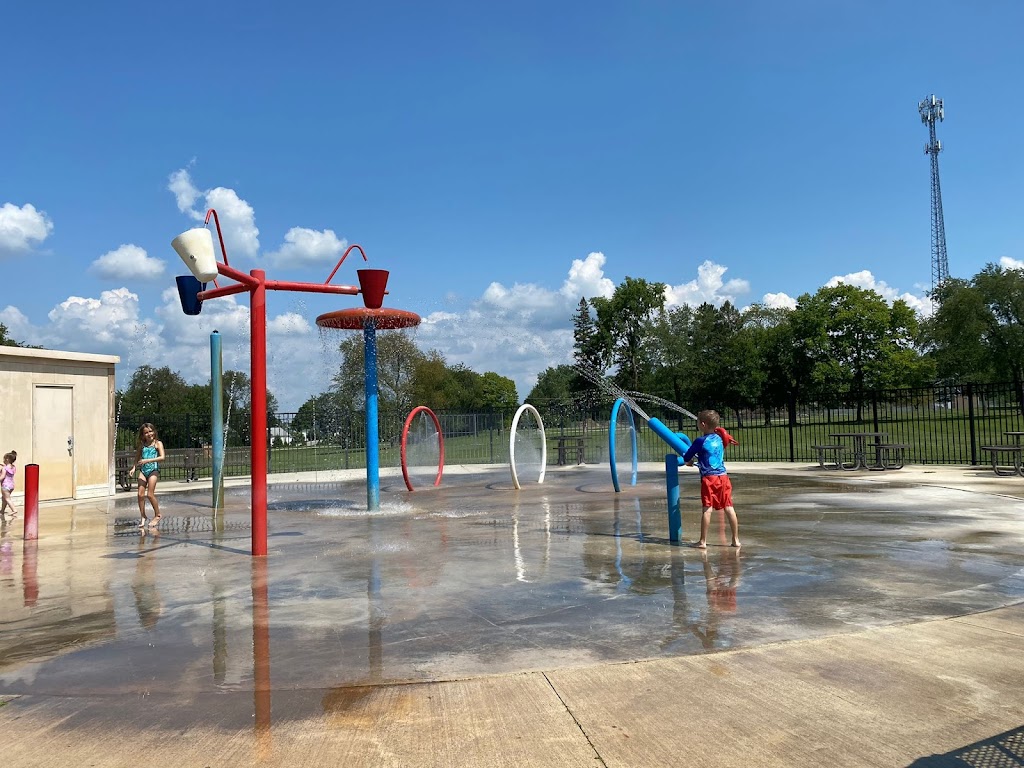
709,451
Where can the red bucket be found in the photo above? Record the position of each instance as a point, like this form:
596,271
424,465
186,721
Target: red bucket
372,284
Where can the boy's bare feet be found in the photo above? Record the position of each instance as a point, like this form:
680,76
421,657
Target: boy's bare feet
698,545
735,544
155,521
142,524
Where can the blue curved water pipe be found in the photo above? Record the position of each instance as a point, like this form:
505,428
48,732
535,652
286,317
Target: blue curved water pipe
677,441
611,442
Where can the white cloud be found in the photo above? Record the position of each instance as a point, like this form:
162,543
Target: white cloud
308,247
779,301
128,262
18,326
586,279
288,325
237,217
110,319
865,279
1008,262
185,192
22,227
516,332
483,340
708,287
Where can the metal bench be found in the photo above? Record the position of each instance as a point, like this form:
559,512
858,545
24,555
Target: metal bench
836,452
890,455
174,461
1013,452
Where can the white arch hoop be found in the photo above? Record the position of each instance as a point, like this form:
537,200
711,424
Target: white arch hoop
512,444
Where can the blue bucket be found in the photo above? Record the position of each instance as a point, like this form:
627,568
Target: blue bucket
188,292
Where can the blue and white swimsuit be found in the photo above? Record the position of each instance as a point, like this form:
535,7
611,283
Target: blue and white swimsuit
150,452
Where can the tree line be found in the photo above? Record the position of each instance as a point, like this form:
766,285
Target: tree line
840,339
407,377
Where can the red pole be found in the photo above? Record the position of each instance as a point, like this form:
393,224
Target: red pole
31,502
30,572
261,686
258,416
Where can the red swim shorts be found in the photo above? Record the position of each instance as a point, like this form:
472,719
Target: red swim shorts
715,491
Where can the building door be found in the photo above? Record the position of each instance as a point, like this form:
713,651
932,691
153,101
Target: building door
53,441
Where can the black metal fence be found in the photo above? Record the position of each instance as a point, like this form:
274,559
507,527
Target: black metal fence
939,424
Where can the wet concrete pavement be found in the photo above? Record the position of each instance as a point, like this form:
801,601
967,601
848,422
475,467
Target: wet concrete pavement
877,615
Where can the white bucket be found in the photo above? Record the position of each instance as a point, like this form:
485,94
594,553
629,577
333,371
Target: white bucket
196,249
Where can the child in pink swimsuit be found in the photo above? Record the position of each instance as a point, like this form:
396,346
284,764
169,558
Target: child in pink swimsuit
7,482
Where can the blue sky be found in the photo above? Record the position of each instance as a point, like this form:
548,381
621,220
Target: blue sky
501,159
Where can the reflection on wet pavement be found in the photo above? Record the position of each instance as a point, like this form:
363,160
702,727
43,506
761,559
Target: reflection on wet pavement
474,579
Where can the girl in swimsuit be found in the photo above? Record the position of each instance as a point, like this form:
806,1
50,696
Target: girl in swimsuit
147,458
7,483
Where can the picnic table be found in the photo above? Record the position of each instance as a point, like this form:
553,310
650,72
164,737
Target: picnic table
567,445
1014,465
887,455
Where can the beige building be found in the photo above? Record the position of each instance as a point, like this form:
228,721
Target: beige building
57,411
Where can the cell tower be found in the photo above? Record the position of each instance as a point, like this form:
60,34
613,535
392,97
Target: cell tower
931,112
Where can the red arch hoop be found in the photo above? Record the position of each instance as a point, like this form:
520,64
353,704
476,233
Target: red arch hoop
440,444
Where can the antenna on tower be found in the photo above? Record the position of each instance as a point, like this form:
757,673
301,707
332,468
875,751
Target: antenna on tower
931,112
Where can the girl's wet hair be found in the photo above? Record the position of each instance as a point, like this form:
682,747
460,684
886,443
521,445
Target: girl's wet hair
10,458
144,427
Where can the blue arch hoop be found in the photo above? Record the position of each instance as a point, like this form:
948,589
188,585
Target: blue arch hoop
611,441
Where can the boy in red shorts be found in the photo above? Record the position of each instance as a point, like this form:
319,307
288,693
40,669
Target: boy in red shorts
715,487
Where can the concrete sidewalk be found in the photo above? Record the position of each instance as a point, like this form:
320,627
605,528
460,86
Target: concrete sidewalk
922,692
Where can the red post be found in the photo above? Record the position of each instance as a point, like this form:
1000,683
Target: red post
31,502
261,684
30,571
258,415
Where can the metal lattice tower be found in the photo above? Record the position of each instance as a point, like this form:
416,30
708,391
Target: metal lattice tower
931,112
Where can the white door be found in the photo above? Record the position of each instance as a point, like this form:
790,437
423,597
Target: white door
53,441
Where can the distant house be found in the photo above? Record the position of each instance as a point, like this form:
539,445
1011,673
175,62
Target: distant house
280,434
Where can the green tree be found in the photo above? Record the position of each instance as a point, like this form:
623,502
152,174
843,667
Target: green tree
321,419
555,392
464,389
5,340
673,334
429,382
773,370
154,391
397,360
628,320
498,393
854,339
987,314
553,385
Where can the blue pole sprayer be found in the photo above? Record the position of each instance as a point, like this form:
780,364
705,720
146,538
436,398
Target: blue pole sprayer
372,434
679,443
217,419
675,518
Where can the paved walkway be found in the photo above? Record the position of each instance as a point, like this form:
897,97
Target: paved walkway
938,692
